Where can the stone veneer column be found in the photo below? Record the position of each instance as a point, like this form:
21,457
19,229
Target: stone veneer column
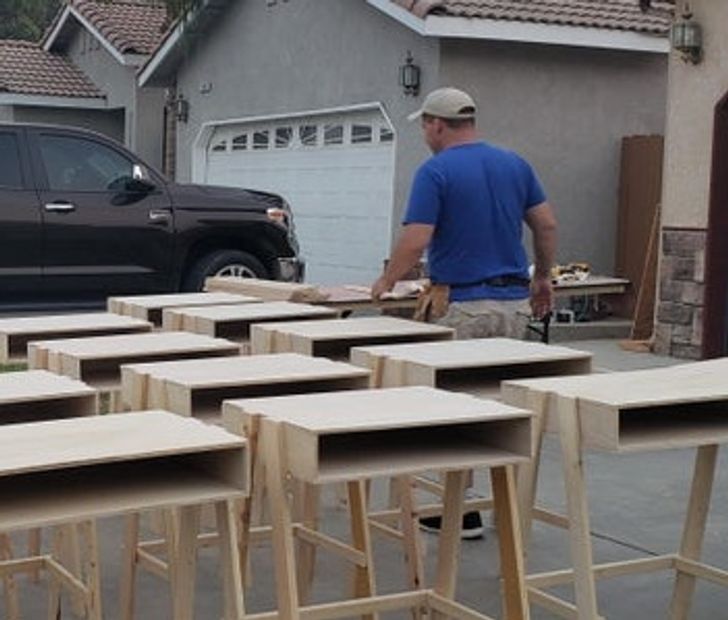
679,325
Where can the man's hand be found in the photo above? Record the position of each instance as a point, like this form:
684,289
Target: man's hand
380,287
542,296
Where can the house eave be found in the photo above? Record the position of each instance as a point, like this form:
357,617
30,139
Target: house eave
441,26
54,101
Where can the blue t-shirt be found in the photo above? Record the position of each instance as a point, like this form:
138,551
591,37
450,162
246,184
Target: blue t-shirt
476,195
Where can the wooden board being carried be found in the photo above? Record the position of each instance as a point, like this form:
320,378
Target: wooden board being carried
475,366
36,395
267,290
234,322
97,361
149,307
198,387
334,338
15,334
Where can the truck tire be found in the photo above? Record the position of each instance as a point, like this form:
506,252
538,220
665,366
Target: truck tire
223,263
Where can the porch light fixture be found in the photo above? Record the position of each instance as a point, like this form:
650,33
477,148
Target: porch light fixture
181,108
409,76
686,37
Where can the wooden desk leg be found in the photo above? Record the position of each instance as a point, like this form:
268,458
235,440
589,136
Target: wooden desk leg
282,534
230,563
127,588
306,511
578,509
90,554
73,561
694,528
12,606
527,473
412,540
183,585
54,586
448,557
364,577
515,598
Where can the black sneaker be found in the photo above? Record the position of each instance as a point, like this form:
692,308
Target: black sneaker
472,525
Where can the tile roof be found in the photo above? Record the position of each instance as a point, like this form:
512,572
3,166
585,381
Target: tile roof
606,14
131,26
27,69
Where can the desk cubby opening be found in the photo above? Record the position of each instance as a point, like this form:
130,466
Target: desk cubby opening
68,493
339,348
207,402
357,455
476,379
51,409
679,425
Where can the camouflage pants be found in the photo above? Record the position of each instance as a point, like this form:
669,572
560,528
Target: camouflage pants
488,318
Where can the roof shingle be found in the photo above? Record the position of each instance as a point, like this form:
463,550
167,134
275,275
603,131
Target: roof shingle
27,69
131,26
606,14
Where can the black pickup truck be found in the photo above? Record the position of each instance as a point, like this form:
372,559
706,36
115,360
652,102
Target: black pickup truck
82,218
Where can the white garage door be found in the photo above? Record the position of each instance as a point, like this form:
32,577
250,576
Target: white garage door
336,170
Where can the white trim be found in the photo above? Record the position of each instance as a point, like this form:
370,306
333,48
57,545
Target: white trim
54,101
524,32
200,144
124,59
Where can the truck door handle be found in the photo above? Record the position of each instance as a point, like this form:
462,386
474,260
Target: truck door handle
159,216
60,207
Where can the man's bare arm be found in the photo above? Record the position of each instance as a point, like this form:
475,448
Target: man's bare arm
542,222
412,242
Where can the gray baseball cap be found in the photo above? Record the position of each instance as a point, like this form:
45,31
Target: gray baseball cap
448,102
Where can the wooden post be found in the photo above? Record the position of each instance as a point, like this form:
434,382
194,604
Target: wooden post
12,606
364,578
183,591
128,567
90,554
233,585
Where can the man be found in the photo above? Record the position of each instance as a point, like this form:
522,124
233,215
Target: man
467,207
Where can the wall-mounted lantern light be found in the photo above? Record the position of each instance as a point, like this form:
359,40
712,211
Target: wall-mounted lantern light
686,37
181,108
409,76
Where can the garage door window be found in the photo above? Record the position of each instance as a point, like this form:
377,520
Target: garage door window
284,137
308,135
220,146
260,140
361,134
333,134
240,143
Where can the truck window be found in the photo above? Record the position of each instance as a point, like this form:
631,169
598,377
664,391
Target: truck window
10,174
76,164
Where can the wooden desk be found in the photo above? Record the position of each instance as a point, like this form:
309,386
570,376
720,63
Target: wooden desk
354,436
15,334
675,407
37,395
105,465
198,387
334,338
149,307
97,360
473,366
233,322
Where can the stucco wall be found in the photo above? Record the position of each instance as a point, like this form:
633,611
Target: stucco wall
143,111
107,122
305,55
6,113
565,109
694,90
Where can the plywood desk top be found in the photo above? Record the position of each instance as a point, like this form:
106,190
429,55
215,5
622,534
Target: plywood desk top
335,337
366,433
475,366
16,333
197,387
97,360
111,464
35,395
676,406
234,321
593,285
149,307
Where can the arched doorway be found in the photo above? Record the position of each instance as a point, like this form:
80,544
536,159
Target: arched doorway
715,319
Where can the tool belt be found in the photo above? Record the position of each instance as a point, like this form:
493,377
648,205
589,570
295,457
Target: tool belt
432,302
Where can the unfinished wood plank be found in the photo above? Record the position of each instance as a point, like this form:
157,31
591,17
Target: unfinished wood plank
268,290
183,597
364,576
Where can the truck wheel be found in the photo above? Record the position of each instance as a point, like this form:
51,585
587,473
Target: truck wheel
224,263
